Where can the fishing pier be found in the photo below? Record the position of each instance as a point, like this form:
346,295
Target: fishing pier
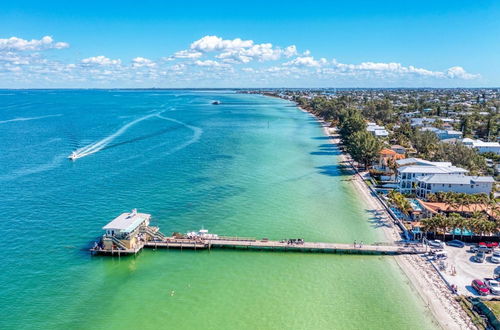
130,233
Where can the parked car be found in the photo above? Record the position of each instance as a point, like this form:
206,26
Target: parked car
495,258
441,255
490,245
480,287
456,243
493,286
479,257
436,244
480,248
496,272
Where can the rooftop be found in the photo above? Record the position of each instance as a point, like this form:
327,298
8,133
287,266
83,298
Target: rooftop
421,162
435,207
455,179
438,169
127,222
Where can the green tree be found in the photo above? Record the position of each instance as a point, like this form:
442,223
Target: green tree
425,142
363,147
460,155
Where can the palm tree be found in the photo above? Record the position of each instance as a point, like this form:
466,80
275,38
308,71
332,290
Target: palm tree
430,225
483,225
462,224
438,222
400,201
433,197
455,222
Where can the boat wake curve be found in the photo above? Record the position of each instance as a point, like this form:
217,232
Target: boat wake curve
99,145
106,142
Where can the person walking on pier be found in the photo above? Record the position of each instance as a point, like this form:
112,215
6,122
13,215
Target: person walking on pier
354,244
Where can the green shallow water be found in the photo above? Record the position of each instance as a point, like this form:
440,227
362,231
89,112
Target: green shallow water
252,166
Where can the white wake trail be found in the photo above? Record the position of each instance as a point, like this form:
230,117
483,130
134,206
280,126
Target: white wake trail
196,134
99,145
28,118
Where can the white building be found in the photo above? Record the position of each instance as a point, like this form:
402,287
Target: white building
457,183
410,169
482,146
443,134
421,122
376,130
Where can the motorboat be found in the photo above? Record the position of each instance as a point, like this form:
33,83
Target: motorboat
216,102
73,156
203,234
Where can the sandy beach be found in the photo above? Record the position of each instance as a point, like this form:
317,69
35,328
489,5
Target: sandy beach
422,276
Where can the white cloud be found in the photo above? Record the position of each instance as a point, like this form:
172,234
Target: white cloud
233,51
139,62
18,44
207,63
398,69
214,43
306,61
101,60
459,72
290,51
186,54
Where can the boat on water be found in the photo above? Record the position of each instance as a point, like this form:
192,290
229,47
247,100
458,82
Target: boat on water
216,102
73,156
202,233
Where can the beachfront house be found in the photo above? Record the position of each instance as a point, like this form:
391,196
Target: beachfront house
482,146
123,232
457,183
387,158
432,208
410,169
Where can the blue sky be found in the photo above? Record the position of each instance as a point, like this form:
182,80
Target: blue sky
250,44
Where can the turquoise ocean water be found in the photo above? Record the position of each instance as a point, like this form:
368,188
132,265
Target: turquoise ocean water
252,166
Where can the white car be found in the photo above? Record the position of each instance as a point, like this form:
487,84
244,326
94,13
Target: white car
436,244
494,286
495,258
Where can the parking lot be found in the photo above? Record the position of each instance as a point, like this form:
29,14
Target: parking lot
461,270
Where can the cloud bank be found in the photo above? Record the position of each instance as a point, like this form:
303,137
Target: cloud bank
209,61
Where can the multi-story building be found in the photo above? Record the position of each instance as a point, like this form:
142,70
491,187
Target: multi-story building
482,146
410,169
457,183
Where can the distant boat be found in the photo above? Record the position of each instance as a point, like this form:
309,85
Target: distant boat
216,102
73,156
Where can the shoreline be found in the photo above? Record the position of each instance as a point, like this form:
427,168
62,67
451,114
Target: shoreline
423,279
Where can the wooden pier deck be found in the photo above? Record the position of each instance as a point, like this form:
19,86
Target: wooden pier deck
150,237
339,248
